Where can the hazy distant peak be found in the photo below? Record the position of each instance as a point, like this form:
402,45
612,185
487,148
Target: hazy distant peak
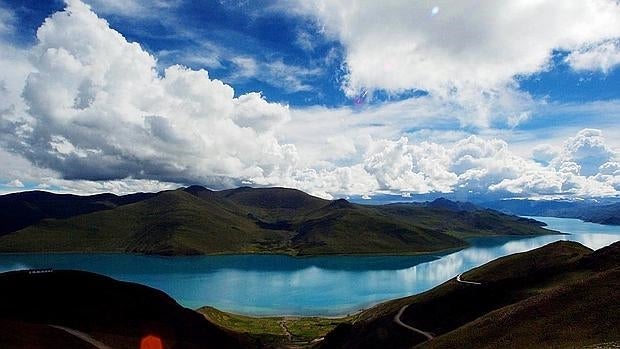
196,189
446,204
340,203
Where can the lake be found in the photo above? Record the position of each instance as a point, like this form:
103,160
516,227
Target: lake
283,285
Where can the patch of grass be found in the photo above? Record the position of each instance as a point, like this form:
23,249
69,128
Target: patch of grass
244,324
272,329
309,328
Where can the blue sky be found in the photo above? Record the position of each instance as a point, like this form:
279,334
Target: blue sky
356,98
184,33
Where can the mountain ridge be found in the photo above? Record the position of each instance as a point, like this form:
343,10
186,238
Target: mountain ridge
18,210
588,211
196,220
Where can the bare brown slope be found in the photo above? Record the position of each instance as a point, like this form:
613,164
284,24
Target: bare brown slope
20,335
113,312
512,281
574,315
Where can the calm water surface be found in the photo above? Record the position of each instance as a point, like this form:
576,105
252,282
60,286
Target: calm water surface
276,285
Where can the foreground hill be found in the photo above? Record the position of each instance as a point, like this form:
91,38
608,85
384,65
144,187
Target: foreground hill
196,220
72,309
561,295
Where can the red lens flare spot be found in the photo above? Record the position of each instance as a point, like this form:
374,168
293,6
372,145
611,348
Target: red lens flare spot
151,342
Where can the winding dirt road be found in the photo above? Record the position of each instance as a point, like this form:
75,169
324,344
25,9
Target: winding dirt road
83,336
289,335
428,335
416,330
458,278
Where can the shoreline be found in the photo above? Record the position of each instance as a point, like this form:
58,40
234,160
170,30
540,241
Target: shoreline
335,313
289,316
435,253
297,256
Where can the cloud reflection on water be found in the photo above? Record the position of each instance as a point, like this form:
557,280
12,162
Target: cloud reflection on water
276,285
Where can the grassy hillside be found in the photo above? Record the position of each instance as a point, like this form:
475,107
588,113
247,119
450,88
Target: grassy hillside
173,222
20,210
275,331
342,226
196,220
462,223
272,204
118,314
555,296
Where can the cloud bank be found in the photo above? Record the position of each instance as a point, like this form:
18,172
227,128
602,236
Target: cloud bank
87,110
98,109
467,52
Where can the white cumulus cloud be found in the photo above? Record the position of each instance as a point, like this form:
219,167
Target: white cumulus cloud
85,110
604,57
97,109
471,52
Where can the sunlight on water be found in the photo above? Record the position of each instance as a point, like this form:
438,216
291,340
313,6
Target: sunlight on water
13,267
270,285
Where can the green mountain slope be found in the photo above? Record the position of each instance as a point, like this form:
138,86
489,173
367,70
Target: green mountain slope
19,210
341,226
556,296
173,222
196,220
462,223
272,204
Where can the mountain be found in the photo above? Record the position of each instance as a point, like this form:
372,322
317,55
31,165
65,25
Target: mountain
559,296
73,309
272,203
20,210
443,203
589,210
172,222
196,220
342,227
603,214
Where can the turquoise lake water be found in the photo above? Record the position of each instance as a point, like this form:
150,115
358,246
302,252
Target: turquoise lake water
282,285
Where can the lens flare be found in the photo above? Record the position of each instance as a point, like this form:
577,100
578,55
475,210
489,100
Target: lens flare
151,342
361,98
435,11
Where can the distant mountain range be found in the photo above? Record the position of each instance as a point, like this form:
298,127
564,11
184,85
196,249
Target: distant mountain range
589,211
196,220
556,296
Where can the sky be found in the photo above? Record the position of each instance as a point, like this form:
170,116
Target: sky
475,99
